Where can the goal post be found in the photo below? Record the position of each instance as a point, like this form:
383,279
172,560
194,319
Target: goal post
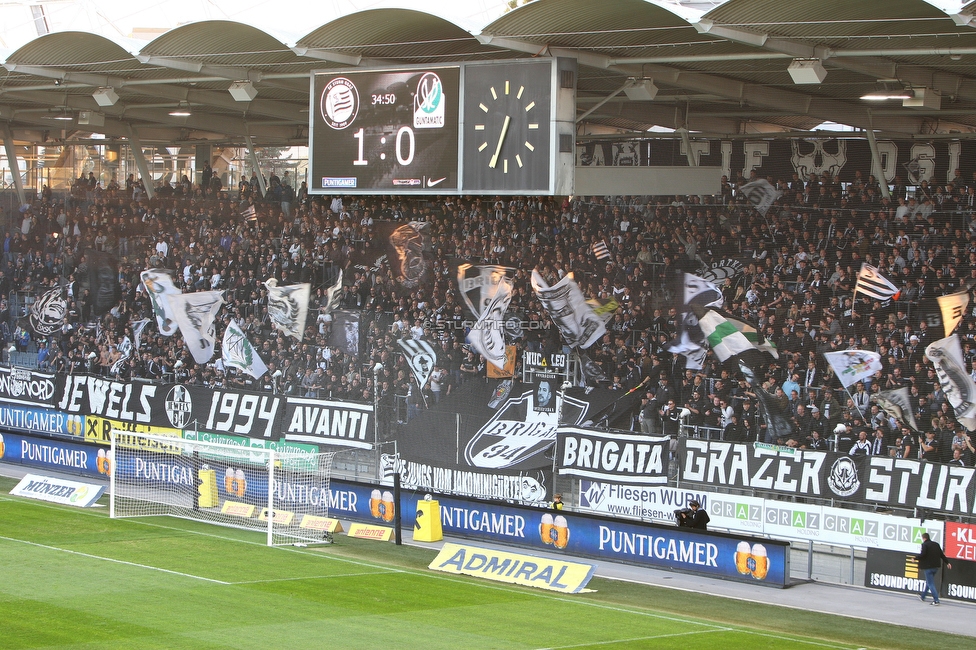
283,494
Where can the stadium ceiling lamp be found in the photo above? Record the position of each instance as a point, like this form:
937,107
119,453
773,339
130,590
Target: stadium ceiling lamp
105,97
807,71
63,115
925,98
183,110
642,90
242,91
882,95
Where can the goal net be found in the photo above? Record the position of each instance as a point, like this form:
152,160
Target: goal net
285,495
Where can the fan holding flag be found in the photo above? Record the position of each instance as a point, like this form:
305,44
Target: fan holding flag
871,283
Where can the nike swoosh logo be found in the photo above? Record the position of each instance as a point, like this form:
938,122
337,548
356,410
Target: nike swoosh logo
432,183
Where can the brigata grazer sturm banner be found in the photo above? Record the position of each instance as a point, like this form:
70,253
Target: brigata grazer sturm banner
878,480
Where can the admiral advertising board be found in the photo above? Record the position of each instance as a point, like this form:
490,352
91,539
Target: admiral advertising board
875,480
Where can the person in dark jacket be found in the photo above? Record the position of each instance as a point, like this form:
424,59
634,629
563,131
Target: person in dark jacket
694,517
930,560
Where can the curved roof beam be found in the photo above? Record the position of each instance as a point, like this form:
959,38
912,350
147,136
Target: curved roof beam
755,94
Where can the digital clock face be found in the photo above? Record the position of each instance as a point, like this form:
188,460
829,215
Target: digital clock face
383,130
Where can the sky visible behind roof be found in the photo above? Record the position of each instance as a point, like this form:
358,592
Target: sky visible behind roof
288,20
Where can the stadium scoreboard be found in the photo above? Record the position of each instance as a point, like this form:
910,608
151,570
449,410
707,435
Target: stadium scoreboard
492,127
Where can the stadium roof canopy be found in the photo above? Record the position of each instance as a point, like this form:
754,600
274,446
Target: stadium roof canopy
744,67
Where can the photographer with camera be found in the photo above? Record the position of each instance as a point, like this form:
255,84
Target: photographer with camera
692,517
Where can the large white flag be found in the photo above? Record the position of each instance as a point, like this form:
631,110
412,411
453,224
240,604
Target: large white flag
851,366
237,352
565,304
870,282
160,288
953,308
488,334
288,307
195,314
960,390
699,291
761,194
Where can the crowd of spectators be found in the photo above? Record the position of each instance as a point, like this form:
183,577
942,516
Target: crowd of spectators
800,261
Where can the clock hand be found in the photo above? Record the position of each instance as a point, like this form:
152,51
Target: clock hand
501,139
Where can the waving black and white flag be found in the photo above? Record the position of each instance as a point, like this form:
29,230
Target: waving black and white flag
479,284
332,295
288,307
871,283
600,250
161,289
47,312
195,314
897,403
953,307
950,368
566,306
238,352
421,358
137,327
761,194
488,334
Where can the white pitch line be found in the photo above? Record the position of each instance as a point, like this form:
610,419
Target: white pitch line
631,640
109,559
337,575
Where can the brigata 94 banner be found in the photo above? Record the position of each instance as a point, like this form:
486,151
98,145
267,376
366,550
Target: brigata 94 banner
878,480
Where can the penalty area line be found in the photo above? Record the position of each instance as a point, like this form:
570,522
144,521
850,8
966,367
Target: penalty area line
116,561
636,638
336,575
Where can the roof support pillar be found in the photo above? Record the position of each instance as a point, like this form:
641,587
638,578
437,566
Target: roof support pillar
254,164
686,139
876,166
8,145
136,146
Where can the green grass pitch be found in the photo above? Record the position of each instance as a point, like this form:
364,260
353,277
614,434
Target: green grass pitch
73,578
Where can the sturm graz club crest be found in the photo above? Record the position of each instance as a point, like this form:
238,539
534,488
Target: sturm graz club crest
518,431
179,406
47,312
843,480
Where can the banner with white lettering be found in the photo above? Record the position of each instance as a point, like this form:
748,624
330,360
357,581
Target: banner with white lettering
612,456
876,480
325,422
27,386
777,518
